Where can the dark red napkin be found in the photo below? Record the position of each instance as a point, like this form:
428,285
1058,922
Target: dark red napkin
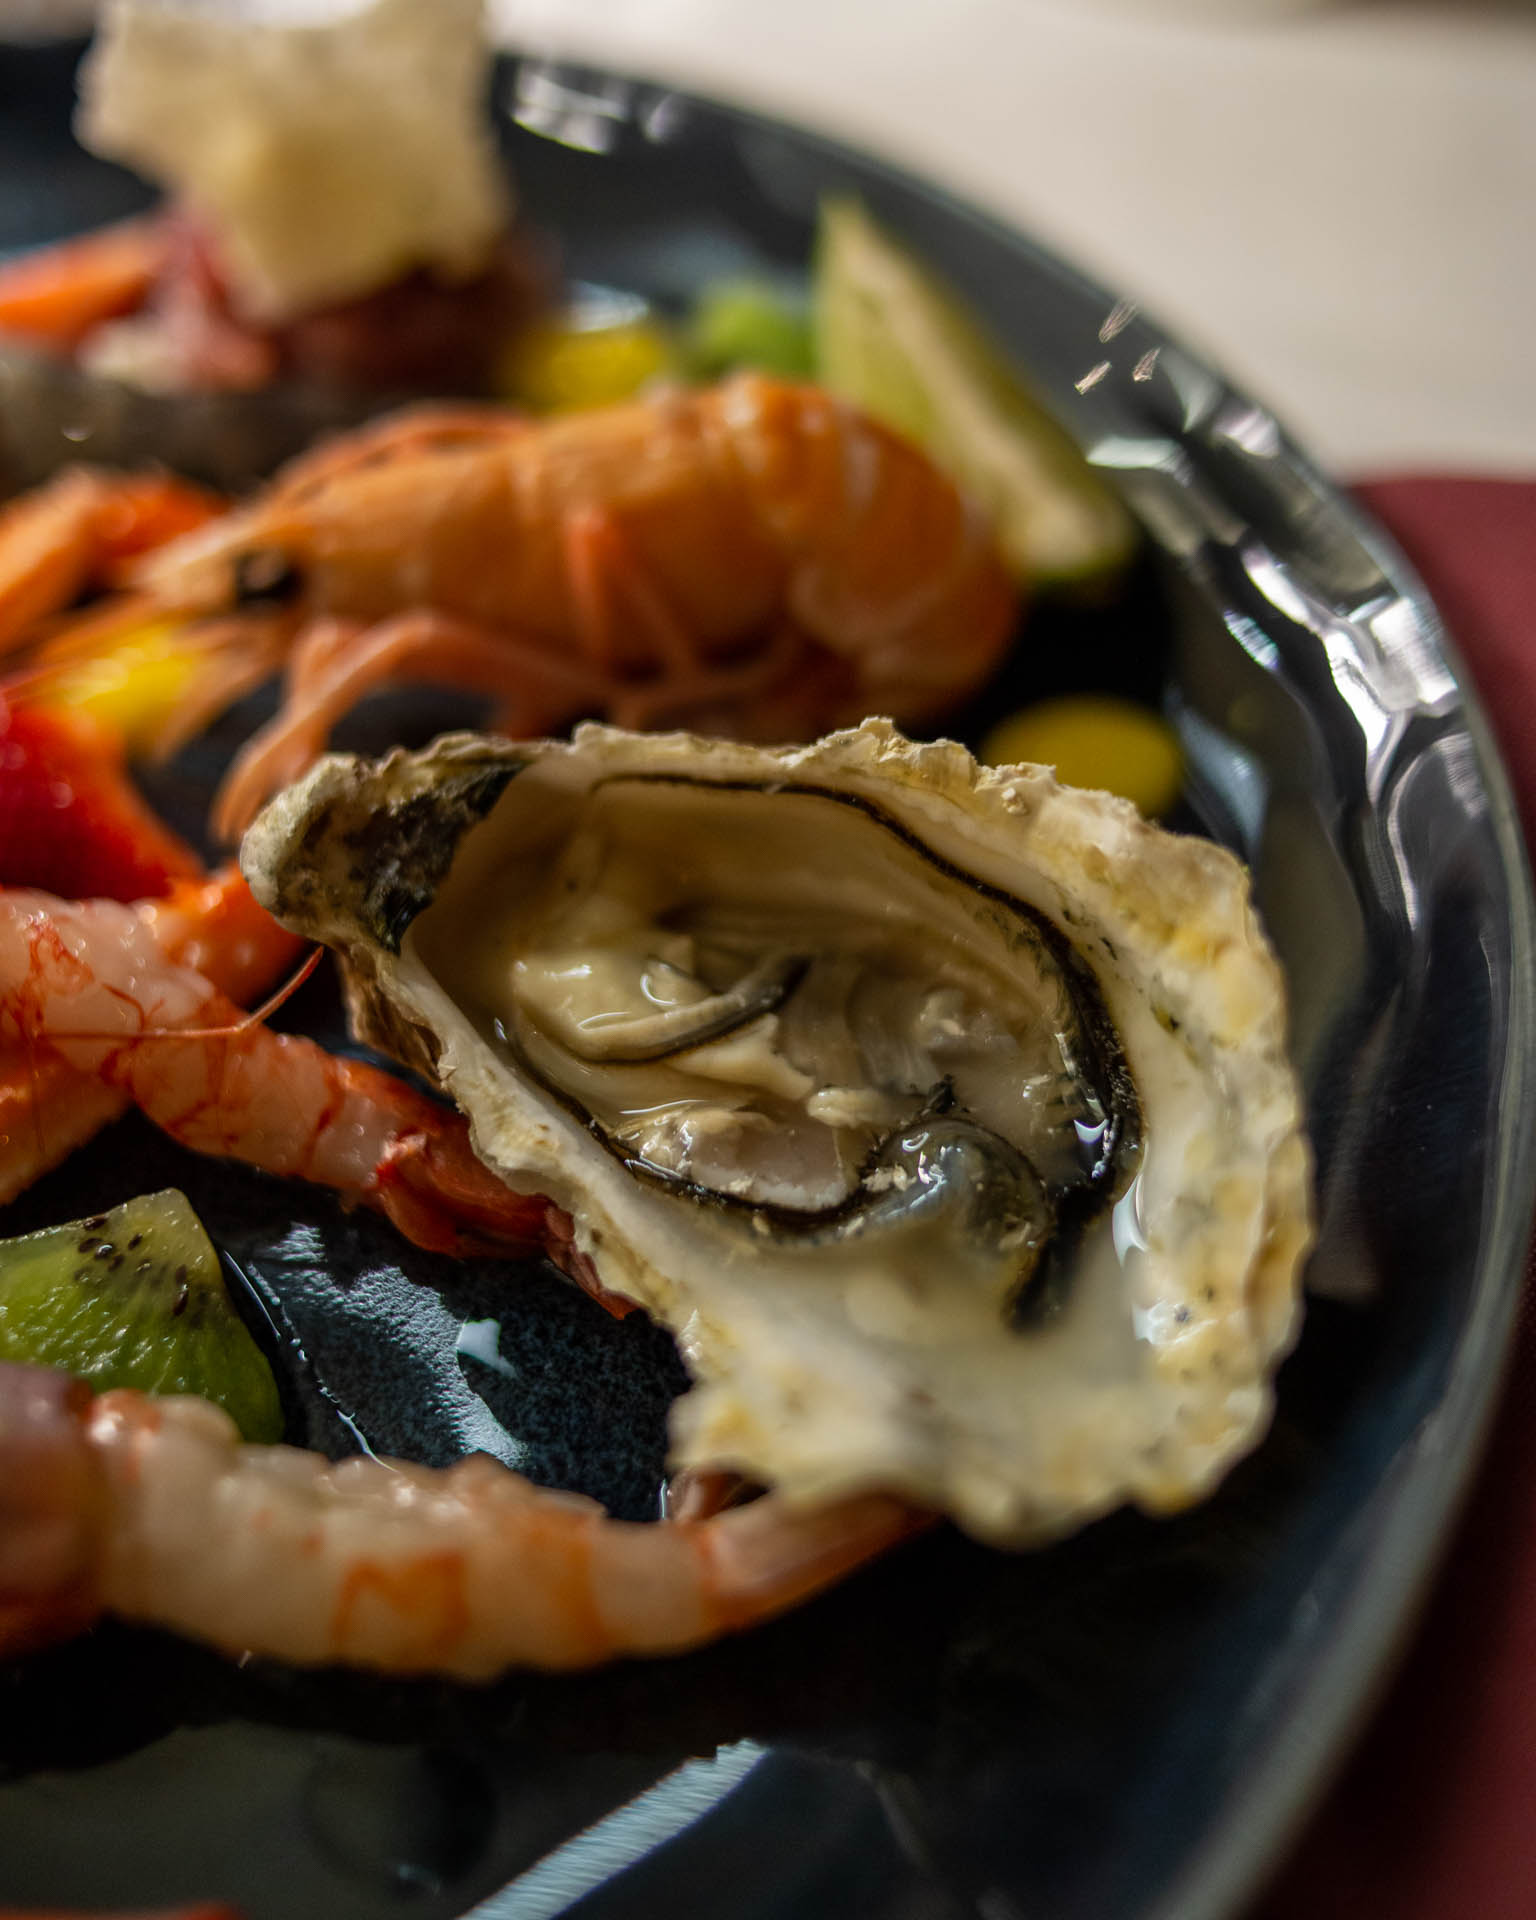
1434,1818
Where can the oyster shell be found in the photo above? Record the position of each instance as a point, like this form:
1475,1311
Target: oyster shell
943,1114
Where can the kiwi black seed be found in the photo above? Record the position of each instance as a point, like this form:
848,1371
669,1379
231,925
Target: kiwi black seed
136,1298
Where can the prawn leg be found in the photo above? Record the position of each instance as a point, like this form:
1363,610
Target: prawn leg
542,688
464,1572
606,575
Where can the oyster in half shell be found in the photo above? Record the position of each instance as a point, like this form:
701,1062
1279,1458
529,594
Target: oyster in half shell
943,1114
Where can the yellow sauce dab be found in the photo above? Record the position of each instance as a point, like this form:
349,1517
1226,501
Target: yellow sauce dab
555,368
134,683
1093,740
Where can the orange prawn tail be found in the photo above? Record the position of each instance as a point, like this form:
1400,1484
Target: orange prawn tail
762,1559
443,1199
53,1497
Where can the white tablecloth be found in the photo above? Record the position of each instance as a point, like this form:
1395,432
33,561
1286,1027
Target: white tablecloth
1339,206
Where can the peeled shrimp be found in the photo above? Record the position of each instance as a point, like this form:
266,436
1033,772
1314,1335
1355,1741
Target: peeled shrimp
154,1511
757,557
91,983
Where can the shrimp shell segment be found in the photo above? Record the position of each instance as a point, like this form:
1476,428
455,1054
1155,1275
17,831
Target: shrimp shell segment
943,1114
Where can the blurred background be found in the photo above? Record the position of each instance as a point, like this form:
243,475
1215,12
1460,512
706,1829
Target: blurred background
1334,201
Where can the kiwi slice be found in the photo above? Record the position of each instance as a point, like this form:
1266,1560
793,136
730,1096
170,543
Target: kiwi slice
136,1298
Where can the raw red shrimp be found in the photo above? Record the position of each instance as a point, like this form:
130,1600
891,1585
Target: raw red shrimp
154,1511
71,821
131,976
635,560
49,1106
90,983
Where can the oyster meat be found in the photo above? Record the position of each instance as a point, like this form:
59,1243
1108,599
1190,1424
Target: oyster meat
942,1113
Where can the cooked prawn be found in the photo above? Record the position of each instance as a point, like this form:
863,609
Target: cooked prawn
78,530
91,983
756,557
153,1510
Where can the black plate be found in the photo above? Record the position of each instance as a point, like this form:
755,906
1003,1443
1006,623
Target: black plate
1124,1726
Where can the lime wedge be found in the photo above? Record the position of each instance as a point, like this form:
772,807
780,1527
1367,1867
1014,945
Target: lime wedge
135,1297
896,342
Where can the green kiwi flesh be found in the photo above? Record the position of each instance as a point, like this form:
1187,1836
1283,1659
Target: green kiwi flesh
136,1298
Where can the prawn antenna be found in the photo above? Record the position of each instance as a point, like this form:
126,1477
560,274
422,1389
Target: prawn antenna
226,1030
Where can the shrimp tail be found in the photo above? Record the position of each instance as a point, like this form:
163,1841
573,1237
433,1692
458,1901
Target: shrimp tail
765,1557
53,1499
213,925
443,1199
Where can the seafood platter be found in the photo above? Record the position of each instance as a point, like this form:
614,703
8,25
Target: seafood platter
762,1003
